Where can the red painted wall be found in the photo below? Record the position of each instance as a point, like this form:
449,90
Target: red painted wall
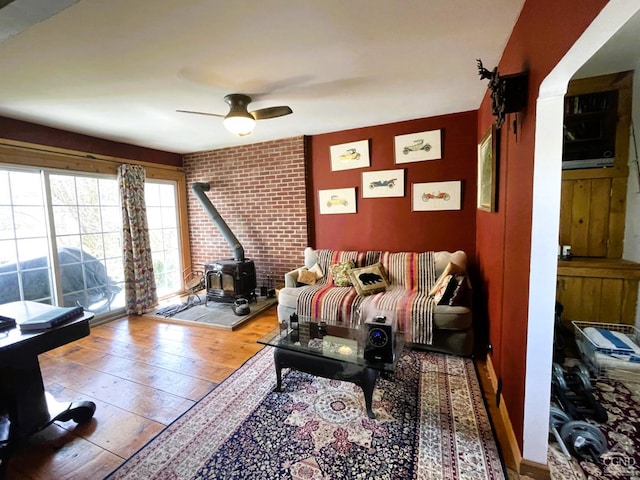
259,191
389,223
39,134
544,32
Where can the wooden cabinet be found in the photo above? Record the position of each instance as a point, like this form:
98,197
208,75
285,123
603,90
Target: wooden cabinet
596,284
592,216
589,131
593,201
598,290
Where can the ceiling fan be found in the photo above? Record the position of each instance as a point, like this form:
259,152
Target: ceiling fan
239,120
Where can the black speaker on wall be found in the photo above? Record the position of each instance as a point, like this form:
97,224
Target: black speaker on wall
380,341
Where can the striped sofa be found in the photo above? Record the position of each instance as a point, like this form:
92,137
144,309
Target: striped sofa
429,320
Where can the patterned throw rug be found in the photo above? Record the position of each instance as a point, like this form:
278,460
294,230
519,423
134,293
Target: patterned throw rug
622,459
431,424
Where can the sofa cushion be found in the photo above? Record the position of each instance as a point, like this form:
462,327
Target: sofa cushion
340,273
411,270
328,302
306,277
447,317
289,296
413,310
369,280
325,258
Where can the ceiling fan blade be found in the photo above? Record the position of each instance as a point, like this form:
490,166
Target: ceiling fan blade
201,113
271,112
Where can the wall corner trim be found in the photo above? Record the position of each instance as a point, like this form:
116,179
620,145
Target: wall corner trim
535,470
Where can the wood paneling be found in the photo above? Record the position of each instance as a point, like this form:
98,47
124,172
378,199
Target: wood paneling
598,290
617,213
586,216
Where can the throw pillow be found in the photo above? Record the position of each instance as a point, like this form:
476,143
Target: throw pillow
442,290
317,270
310,257
443,295
306,276
443,279
460,291
340,272
369,280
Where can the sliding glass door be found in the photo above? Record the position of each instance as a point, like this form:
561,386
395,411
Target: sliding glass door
61,238
25,270
87,228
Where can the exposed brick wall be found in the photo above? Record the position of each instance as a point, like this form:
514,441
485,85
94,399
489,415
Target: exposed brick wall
259,191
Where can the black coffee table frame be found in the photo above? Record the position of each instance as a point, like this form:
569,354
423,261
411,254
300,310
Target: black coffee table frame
292,349
325,367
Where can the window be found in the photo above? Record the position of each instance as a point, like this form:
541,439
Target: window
25,270
78,216
160,199
87,222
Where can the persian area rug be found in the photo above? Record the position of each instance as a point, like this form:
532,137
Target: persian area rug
214,314
622,460
431,424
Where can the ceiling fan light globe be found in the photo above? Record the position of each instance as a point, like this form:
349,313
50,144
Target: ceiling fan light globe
240,125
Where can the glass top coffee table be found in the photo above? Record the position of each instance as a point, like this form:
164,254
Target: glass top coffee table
334,350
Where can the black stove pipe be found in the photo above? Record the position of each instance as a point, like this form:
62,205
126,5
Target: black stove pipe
198,190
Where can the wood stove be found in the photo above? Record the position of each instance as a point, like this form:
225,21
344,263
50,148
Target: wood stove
230,279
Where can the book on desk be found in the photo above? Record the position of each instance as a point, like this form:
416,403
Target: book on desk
32,316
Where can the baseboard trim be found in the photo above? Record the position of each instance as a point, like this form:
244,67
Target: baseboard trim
510,442
534,470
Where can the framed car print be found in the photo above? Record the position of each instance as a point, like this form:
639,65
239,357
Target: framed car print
337,200
349,155
436,196
418,147
383,183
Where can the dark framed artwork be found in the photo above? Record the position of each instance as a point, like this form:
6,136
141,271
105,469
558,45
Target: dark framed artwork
487,164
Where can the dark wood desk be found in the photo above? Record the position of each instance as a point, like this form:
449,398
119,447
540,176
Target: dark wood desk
21,388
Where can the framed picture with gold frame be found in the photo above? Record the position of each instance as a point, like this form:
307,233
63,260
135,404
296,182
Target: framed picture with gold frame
487,165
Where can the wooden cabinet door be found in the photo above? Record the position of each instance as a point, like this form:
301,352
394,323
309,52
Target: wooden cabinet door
590,299
594,298
584,216
593,204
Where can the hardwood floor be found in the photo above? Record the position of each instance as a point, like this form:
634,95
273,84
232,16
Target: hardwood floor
142,373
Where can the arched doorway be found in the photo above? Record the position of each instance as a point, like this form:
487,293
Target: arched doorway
545,221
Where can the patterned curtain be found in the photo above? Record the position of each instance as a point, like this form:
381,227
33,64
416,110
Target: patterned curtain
139,283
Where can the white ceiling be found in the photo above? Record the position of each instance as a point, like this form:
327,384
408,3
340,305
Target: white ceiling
119,69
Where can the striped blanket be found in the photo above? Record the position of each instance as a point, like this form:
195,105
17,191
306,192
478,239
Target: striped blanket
411,277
